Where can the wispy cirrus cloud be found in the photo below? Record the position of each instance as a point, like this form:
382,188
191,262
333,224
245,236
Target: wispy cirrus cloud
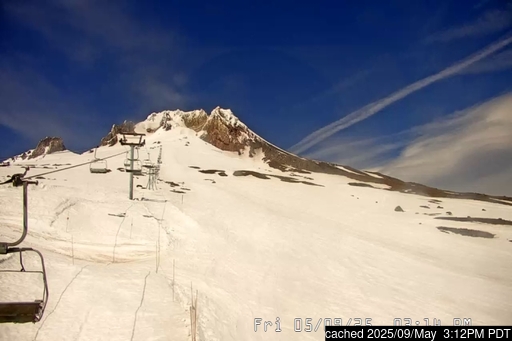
499,62
371,109
492,21
468,151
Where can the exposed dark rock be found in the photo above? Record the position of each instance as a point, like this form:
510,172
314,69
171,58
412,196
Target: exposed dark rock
483,209
492,221
399,209
111,138
172,184
423,206
311,184
246,173
194,167
440,207
449,213
48,145
176,191
195,120
213,171
225,131
360,184
120,215
466,232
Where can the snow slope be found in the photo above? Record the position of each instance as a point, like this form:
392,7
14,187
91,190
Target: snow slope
251,247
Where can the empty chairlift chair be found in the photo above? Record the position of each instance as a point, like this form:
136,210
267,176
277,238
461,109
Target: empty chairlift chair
23,311
98,166
137,167
137,164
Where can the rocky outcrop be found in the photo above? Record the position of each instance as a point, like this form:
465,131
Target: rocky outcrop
195,120
48,145
225,131
111,138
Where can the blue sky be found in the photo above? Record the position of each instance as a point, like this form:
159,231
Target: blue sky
286,68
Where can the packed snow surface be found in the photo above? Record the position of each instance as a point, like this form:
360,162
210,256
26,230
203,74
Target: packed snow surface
251,247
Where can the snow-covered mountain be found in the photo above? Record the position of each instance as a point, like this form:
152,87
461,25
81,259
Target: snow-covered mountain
257,231
225,131
46,146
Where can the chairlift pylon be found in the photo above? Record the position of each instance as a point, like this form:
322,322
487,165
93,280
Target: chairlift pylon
27,311
98,166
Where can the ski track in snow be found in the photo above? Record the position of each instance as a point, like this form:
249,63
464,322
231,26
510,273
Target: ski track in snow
252,248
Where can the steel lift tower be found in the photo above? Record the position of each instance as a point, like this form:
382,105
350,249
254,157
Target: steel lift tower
136,141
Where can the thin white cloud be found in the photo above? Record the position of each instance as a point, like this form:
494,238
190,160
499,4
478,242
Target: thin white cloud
499,62
361,152
373,108
336,89
492,21
467,151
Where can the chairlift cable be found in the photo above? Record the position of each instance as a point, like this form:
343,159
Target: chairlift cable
74,166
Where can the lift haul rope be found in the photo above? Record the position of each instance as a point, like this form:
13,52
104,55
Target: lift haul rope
74,166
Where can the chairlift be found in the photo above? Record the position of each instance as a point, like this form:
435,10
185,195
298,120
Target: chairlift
98,166
146,164
137,167
28,311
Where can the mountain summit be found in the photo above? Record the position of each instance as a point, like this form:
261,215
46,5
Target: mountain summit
224,130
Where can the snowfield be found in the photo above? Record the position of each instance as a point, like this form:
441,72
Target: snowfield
251,247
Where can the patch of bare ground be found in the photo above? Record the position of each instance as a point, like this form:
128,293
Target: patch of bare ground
466,232
304,177
172,184
213,171
288,162
361,184
492,221
311,184
268,176
246,173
